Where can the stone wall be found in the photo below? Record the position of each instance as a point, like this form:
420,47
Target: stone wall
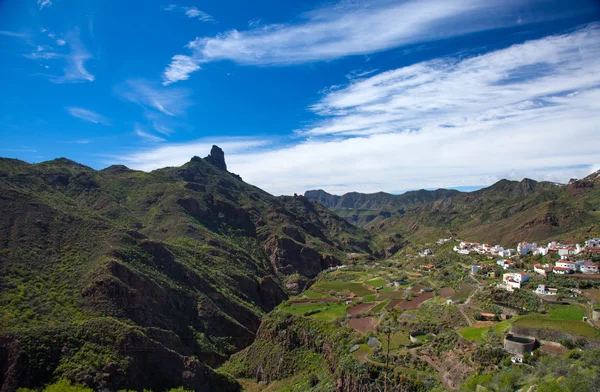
519,345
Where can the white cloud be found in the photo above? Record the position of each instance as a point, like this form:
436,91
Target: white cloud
194,12
178,154
147,136
530,110
356,28
74,71
170,101
191,12
87,115
44,3
13,34
180,68
60,42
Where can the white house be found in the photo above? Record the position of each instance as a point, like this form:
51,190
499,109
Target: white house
541,251
524,247
544,290
543,269
505,264
592,243
562,270
506,252
588,268
566,251
464,251
567,264
513,280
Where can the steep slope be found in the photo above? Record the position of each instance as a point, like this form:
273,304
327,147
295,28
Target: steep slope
124,279
506,212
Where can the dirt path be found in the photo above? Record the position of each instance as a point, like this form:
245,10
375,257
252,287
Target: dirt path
430,362
466,303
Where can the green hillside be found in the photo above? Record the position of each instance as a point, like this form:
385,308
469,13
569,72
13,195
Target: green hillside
125,279
507,212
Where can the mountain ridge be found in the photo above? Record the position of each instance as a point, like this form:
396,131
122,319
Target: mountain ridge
118,278
507,211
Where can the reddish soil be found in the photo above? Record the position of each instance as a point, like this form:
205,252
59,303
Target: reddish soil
393,303
447,292
363,325
416,301
417,288
358,309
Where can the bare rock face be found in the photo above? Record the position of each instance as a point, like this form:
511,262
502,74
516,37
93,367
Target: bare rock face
217,157
289,257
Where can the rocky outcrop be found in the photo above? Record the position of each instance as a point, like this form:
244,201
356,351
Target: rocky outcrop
289,257
217,157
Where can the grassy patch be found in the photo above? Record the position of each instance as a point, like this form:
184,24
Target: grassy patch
353,287
566,312
541,322
398,340
473,333
378,308
375,282
369,298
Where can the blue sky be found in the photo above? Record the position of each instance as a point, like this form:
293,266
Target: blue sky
349,95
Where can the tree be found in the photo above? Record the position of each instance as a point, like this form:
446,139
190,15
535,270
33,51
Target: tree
388,327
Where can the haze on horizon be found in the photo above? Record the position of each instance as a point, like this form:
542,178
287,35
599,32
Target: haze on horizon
343,96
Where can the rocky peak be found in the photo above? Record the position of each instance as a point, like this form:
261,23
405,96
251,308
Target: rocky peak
217,157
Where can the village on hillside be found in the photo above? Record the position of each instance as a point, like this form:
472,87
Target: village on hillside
462,307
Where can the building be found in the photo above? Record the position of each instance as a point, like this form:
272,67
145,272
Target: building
593,243
506,252
427,252
474,269
543,251
514,280
587,267
544,269
542,289
524,248
562,270
567,264
566,251
505,264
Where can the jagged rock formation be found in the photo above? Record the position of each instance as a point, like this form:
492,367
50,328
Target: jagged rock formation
124,279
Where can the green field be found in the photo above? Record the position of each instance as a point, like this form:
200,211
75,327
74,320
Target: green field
378,308
376,282
473,333
369,298
397,340
350,287
327,311
313,294
566,312
567,318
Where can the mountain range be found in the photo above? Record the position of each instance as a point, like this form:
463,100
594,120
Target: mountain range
506,212
124,279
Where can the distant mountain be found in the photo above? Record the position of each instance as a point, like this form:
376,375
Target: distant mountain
124,279
506,212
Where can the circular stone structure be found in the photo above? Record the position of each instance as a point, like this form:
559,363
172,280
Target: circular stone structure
519,345
596,314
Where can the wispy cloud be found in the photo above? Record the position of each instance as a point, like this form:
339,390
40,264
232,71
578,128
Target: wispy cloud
352,28
529,110
191,12
14,34
148,137
87,115
75,71
180,68
44,3
178,154
170,101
